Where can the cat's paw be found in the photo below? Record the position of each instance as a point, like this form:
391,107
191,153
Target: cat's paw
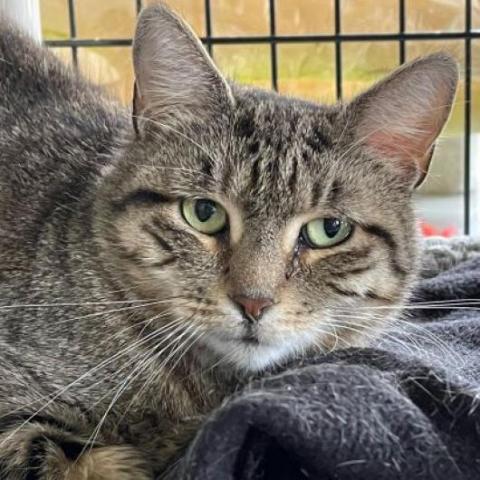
110,463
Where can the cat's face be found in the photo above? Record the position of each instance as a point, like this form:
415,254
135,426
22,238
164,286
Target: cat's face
268,227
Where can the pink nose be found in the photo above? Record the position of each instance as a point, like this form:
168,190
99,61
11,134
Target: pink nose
252,308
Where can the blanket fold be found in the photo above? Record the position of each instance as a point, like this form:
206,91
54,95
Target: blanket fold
406,409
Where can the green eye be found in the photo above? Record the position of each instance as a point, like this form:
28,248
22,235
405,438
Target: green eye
204,215
326,232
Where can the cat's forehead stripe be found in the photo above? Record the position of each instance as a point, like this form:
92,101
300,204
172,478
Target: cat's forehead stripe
278,146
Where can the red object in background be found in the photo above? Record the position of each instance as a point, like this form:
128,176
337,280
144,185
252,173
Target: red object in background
429,230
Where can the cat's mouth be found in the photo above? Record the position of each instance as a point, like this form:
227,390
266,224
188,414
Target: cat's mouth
251,350
252,346
250,336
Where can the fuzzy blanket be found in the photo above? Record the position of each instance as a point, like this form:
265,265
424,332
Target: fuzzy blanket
406,408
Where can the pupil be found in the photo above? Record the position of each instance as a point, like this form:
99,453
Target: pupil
204,209
332,226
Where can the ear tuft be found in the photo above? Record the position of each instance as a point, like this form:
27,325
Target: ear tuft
400,117
176,81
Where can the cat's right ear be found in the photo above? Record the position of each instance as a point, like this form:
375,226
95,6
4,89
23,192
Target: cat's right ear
399,118
176,82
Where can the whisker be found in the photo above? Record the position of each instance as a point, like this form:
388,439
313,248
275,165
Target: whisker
176,325
159,371
103,364
134,374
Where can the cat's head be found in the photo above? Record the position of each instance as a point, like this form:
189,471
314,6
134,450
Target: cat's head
266,226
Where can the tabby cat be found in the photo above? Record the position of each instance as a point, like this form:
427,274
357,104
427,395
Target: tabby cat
149,267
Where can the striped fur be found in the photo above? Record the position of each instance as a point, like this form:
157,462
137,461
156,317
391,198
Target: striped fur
117,329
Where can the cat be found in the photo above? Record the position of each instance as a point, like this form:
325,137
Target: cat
152,261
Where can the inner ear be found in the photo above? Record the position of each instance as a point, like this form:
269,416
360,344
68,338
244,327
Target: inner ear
399,119
176,82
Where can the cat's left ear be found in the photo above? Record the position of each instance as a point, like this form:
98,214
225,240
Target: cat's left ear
176,82
399,118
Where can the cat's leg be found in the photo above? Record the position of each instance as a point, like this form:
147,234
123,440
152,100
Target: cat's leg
50,447
108,463
48,436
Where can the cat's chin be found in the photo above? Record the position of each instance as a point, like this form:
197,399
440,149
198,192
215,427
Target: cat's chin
249,355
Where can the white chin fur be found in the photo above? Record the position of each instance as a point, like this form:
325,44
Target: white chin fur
253,358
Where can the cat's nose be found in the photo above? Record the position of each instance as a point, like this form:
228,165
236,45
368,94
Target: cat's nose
252,308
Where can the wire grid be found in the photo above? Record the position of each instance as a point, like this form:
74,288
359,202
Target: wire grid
337,39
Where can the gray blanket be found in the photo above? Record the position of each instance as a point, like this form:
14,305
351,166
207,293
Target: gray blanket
406,408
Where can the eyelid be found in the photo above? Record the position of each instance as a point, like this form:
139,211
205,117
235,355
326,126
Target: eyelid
141,197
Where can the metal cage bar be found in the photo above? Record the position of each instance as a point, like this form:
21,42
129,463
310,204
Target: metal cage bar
354,37
208,26
401,30
73,30
468,116
338,50
337,39
273,45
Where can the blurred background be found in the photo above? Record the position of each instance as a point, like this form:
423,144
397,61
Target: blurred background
316,49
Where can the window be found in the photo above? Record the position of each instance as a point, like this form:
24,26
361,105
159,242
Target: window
317,49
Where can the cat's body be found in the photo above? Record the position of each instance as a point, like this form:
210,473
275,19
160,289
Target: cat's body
88,284
56,134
